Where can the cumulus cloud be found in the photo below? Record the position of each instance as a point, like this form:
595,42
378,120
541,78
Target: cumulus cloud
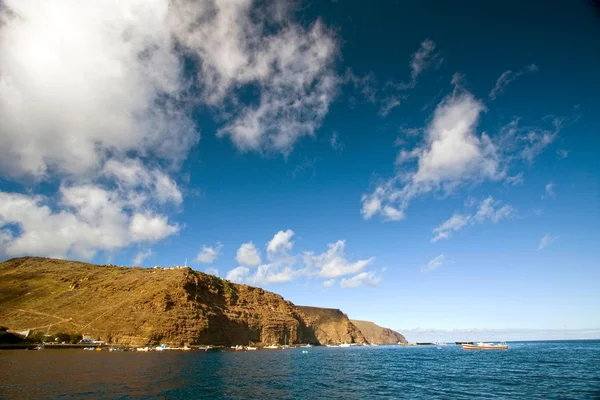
281,242
451,155
208,254
103,101
362,279
488,210
508,77
238,274
434,263
284,265
248,255
546,241
141,256
90,218
333,262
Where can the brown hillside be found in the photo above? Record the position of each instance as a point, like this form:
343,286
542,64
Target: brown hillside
377,334
145,306
333,326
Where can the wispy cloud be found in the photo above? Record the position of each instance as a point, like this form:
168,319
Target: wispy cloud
391,94
515,180
362,279
434,264
508,77
549,190
212,271
546,241
562,153
141,256
488,210
335,142
208,254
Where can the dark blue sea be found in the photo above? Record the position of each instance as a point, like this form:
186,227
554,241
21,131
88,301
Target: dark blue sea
528,370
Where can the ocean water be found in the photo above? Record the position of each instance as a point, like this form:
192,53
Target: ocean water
528,370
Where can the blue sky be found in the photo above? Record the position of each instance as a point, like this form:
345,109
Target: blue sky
419,165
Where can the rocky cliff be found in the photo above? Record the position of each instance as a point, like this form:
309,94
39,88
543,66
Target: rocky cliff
173,306
147,306
332,326
377,334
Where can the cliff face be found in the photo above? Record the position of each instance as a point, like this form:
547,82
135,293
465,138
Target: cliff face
144,306
332,325
376,334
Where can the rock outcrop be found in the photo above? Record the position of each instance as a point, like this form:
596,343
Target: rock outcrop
140,306
377,334
332,326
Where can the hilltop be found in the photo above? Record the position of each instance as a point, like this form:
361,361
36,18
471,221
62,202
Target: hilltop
333,326
141,306
377,334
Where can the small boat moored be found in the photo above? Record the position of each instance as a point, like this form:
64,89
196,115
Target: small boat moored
485,346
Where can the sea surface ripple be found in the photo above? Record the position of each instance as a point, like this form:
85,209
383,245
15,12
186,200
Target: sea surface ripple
528,370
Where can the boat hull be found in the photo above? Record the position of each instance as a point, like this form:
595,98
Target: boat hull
475,347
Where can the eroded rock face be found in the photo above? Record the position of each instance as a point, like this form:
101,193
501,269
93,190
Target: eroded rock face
142,306
332,325
377,334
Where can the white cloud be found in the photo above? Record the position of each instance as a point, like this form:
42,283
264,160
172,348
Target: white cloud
488,210
549,190
329,282
281,242
141,256
508,77
388,104
248,255
362,279
102,101
208,254
515,180
546,241
452,154
148,227
390,95
433,264
90,219
422,59
238,274
212,271
273,273
333,263
335,142
562,153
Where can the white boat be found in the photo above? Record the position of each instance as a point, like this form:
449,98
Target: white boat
251,348
308,345
485,346
142,349
345,345
271,347
333,345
